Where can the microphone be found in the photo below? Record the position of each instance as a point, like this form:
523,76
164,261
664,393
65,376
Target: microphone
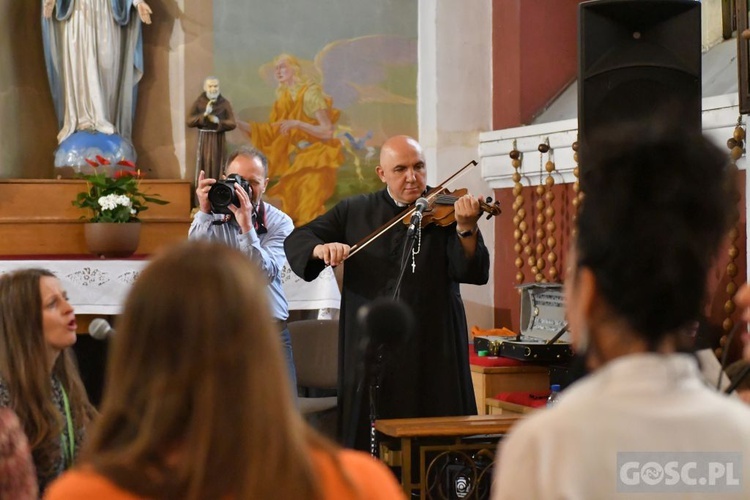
100,329
419,207
386,324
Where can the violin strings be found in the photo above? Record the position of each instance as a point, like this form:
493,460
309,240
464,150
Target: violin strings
446,199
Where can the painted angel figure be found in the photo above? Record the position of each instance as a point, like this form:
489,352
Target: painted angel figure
303,139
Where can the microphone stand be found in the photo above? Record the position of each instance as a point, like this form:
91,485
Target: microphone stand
371,373
374,391
408,247
350,412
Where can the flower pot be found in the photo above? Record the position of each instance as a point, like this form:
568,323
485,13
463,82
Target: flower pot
112,239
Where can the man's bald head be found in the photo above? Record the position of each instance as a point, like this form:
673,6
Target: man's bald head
402,168
398,144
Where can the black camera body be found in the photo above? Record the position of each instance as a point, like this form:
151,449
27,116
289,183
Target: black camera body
222,193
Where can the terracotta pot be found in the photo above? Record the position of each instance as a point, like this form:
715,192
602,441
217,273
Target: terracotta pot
112,239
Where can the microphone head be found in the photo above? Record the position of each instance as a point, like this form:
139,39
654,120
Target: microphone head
99,329
386,322
421,204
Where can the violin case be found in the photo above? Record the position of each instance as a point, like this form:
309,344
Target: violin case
542,319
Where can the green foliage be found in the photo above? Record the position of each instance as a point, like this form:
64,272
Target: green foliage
102,189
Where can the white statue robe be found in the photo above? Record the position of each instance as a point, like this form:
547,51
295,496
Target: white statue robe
94,58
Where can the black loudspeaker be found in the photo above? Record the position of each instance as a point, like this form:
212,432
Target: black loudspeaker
638,59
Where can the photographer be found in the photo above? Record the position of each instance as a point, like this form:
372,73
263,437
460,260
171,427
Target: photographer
256,228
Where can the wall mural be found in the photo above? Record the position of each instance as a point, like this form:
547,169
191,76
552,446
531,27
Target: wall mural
318,87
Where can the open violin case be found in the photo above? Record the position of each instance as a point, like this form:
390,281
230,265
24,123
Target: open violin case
543,337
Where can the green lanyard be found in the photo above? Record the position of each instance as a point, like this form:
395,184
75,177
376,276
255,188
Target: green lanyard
71,448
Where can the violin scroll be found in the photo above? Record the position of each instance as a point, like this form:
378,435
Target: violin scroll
492,208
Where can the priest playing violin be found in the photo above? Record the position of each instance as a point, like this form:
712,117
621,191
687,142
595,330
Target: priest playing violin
428,371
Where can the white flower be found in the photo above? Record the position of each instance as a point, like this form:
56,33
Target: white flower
112,201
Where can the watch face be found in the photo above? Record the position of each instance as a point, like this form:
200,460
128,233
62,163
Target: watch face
465,234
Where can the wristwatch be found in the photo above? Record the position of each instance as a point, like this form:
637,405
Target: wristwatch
466,234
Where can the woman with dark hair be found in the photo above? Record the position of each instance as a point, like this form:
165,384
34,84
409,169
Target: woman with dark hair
197,403
657,206
38,376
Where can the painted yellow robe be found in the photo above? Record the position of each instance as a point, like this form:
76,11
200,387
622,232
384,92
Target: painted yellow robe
304,165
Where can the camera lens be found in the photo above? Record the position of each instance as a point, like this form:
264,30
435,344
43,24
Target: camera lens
220,195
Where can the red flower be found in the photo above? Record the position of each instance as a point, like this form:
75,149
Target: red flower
126,163
102,160
123,173
91,162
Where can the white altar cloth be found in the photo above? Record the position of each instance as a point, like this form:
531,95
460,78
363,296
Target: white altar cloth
99,286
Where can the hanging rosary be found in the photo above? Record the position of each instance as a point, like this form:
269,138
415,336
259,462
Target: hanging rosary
414,252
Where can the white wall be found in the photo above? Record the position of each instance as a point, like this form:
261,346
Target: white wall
719,119
710,23
454,106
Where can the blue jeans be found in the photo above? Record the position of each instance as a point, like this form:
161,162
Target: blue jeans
286,345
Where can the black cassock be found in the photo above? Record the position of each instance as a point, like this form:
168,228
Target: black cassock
427,374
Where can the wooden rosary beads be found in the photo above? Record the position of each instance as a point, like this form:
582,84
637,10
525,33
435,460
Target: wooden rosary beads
736,146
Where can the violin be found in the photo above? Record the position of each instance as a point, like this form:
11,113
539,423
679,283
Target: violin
440,210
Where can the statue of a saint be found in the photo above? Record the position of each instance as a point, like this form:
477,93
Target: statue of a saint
213,116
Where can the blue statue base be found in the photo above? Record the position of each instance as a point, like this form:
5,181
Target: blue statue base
87,152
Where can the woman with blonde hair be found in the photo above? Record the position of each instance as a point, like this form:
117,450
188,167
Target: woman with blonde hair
38,376
298,139
197,405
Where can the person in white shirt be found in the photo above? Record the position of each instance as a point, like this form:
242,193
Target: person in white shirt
642,424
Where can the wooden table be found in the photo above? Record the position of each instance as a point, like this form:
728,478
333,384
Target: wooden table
401,438
500,407
491,380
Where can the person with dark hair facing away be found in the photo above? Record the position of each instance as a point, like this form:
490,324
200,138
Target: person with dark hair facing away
658,203
191,415
39,379
255,227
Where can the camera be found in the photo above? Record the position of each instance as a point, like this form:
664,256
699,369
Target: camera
222,193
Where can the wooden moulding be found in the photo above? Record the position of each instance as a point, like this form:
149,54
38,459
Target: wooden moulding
37,217
446,426
50,200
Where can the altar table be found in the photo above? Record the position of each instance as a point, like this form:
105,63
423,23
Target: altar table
99,286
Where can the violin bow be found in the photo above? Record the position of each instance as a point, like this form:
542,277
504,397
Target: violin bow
385,227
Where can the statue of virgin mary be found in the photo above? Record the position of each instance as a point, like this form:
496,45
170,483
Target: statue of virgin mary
94,57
